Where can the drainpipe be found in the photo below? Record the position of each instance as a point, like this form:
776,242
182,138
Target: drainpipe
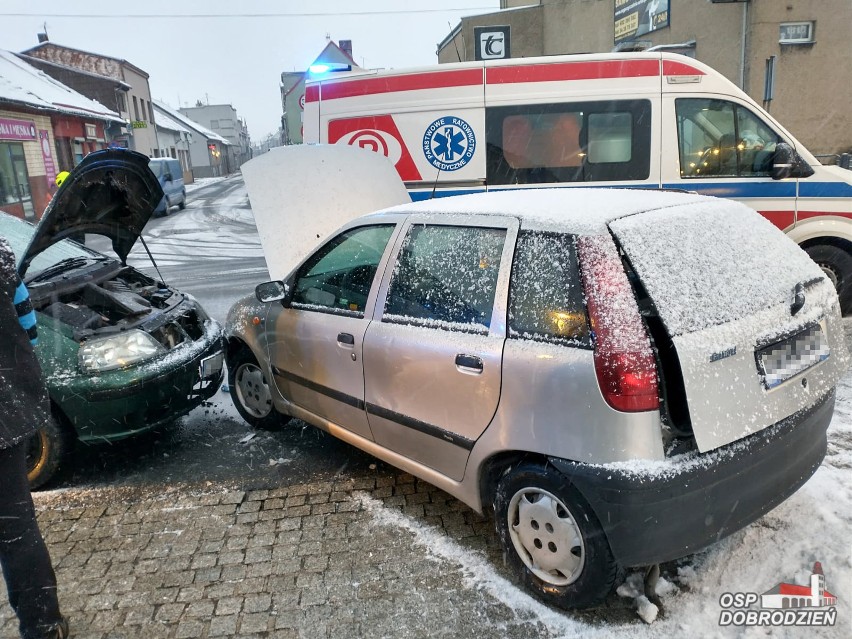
743,47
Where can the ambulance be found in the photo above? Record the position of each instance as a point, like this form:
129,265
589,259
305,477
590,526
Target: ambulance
642,120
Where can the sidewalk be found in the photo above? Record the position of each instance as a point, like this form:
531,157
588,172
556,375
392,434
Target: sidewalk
334,559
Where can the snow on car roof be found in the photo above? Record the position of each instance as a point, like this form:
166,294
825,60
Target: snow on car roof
583,211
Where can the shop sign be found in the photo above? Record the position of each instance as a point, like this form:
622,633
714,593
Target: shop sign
17,129
139,124
634,18
47,154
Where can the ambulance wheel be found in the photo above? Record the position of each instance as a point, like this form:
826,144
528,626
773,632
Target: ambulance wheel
552,538
836,264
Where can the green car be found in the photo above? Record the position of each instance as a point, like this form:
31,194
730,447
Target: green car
122,353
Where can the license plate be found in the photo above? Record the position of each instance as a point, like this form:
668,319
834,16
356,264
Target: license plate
212,366
782,360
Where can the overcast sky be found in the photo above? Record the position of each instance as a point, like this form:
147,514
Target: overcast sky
235,59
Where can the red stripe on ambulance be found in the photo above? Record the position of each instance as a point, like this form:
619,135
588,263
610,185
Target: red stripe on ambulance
554,72
410,82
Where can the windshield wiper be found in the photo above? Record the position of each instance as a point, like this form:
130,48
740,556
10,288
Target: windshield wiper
67,264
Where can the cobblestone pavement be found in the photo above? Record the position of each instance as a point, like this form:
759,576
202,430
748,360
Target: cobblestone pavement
339,558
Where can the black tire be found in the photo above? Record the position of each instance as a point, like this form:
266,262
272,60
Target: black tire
251,392
836,263
552,538
46,450
182,204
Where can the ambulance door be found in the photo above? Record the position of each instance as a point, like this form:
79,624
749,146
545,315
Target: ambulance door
719,145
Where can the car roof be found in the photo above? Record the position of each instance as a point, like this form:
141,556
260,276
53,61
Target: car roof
578,210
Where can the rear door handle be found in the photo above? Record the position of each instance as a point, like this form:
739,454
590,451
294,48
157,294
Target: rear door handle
469,363
346,338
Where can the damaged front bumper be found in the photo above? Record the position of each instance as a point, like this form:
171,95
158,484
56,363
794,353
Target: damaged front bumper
122,403
676,508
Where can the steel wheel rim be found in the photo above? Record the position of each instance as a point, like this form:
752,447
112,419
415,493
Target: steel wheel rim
546,536
253,391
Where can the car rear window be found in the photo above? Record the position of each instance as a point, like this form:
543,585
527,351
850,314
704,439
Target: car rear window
546,295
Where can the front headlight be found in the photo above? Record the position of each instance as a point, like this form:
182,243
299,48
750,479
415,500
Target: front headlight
118,351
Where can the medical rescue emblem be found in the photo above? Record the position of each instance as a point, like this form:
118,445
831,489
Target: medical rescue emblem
449,143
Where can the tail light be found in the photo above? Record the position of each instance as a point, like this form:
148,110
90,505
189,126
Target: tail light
624,362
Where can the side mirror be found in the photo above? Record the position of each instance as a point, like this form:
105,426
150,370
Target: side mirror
275,291
789,164
168,177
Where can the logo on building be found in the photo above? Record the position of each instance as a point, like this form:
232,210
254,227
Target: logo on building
492,43
784,605
449,143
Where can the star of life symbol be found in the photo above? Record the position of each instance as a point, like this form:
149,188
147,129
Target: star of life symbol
449,143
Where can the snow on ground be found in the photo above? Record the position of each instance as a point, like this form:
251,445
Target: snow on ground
199,182
812,525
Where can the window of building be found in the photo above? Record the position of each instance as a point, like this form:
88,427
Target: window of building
796,33
150,112
15,180
214,124
121,101
572,142
446,277
142,104
135,109
717,138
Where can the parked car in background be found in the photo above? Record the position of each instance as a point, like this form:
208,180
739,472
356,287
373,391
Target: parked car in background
122,353
585,362
170,176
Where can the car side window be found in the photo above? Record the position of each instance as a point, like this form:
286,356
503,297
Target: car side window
546,294
338,277
446,277
570,142
717,138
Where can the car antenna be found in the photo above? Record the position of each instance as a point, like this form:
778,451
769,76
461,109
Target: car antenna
153,261
435,185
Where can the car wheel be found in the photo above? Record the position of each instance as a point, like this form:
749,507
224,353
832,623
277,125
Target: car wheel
836,263
251,393
168,207
46,450
182,204
552,538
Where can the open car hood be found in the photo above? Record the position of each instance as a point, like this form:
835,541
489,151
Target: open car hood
111,192
300,194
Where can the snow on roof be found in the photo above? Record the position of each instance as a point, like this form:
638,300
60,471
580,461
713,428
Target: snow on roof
24,84
578,210
194,126
166,121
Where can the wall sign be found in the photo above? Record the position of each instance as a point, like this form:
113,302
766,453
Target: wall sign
796,33
634,18
17,129
492,43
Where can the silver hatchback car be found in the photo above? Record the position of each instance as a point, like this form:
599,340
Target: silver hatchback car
625,376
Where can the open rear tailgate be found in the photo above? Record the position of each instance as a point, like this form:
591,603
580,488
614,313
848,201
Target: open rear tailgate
755,323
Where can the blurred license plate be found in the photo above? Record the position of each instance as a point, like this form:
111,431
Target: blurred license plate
212,366
785,359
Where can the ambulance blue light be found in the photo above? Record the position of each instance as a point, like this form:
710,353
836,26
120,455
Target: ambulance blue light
317,69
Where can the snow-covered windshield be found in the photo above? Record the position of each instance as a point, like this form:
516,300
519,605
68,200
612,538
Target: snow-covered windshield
19,233
711,263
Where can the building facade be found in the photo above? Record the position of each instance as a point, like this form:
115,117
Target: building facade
135,106
806,44
223,120
173,141
208,151
45,128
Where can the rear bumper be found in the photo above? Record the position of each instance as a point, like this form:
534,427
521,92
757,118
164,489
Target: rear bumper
661,516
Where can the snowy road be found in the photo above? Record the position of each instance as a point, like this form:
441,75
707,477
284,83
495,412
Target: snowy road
212,251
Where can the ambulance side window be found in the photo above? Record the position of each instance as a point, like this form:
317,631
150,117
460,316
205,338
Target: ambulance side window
573,142
717,138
